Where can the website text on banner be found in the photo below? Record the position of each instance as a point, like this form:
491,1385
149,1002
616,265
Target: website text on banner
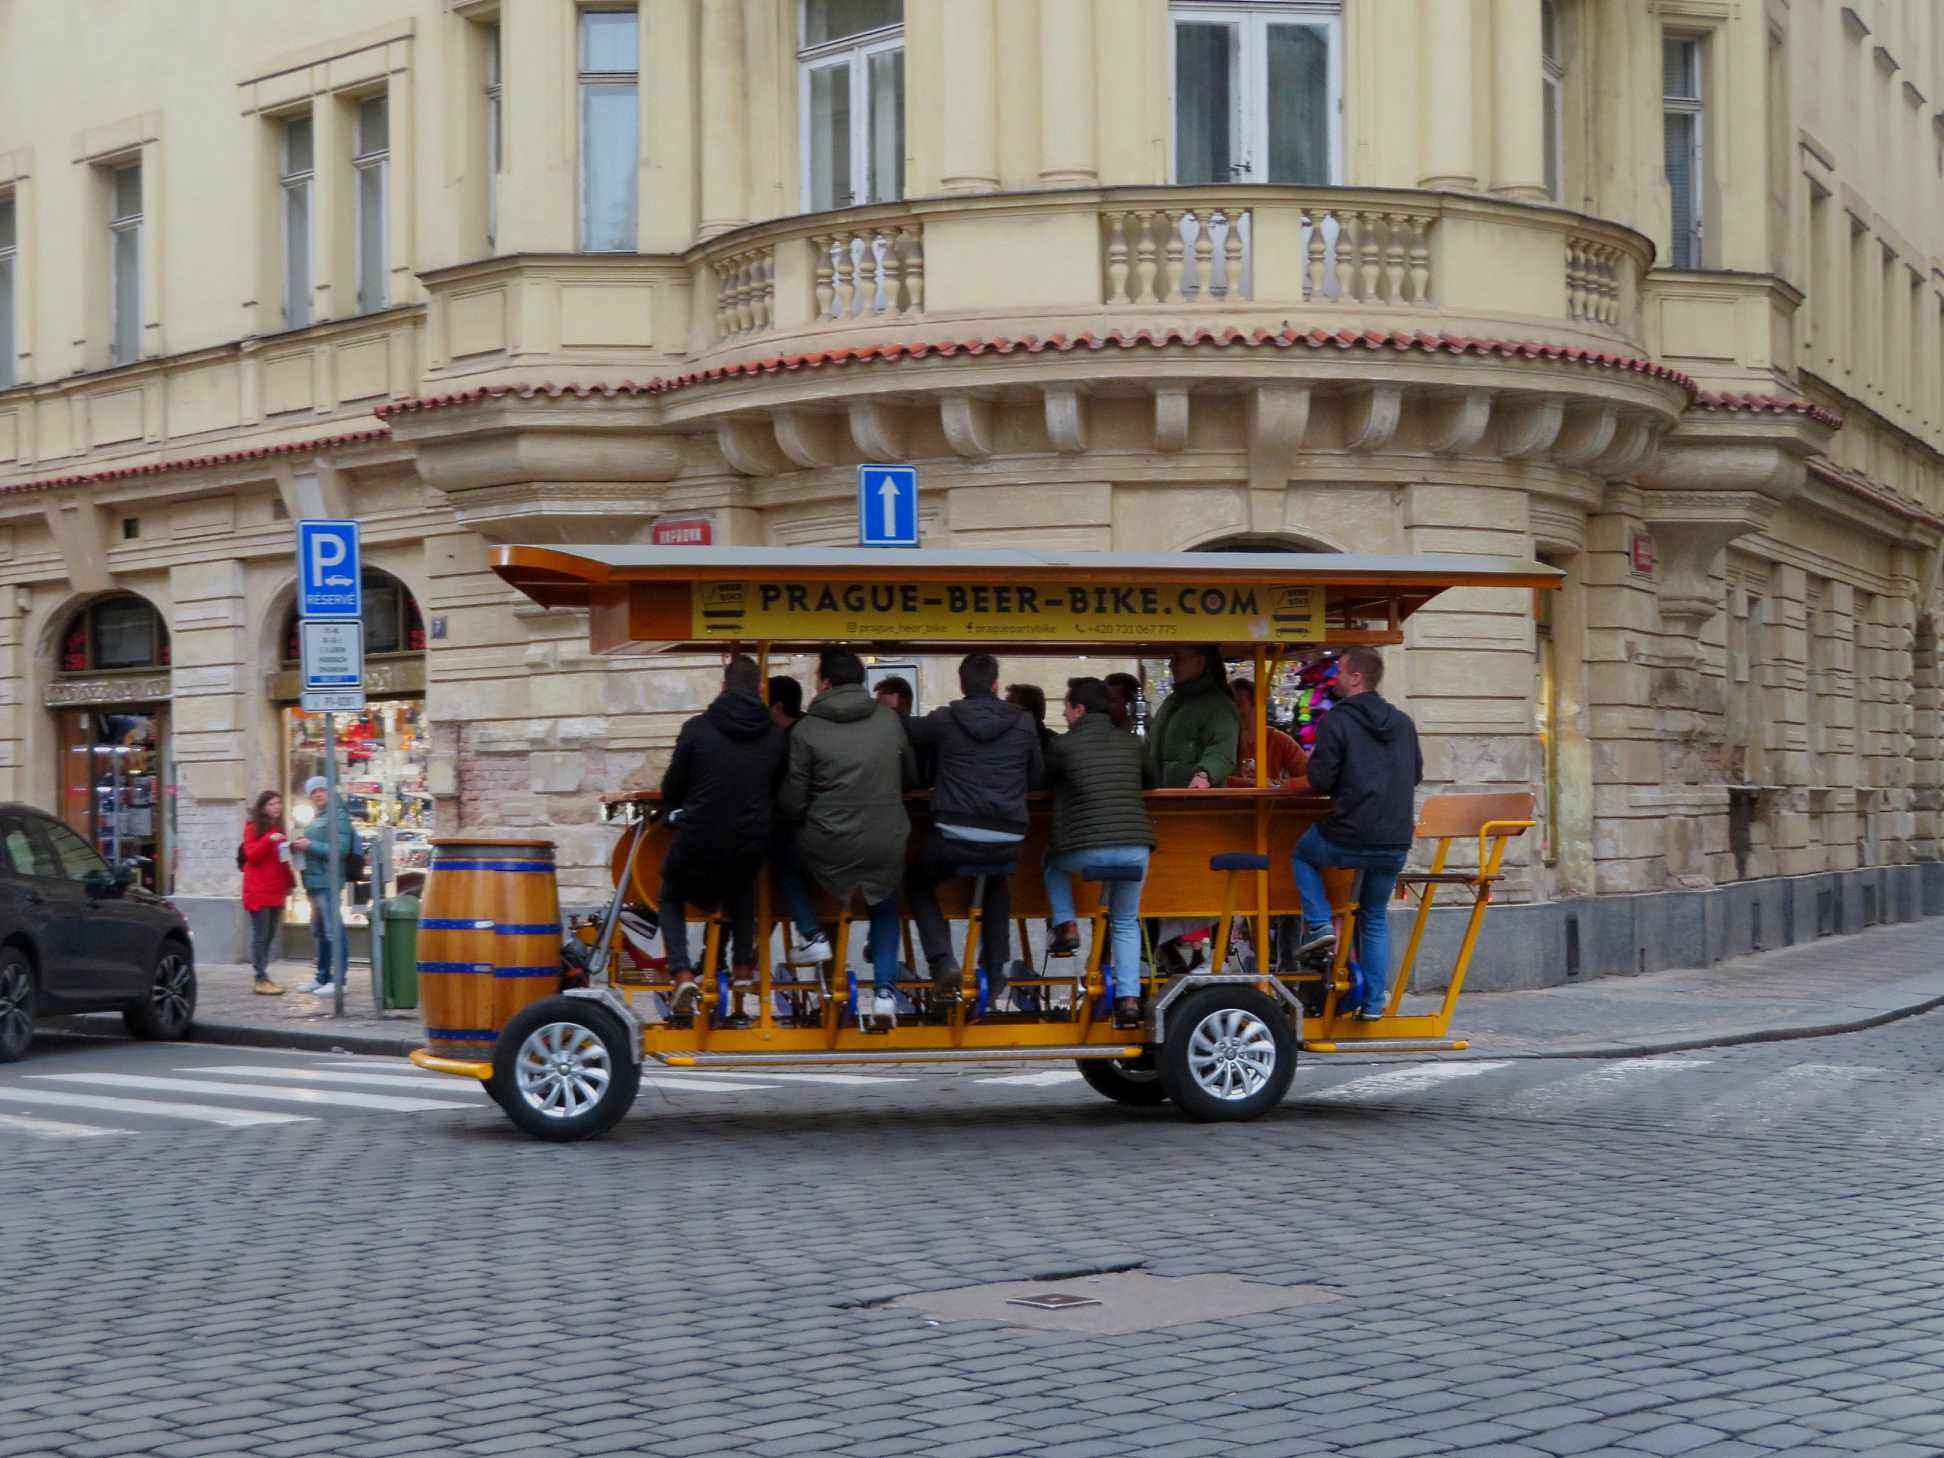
1005,612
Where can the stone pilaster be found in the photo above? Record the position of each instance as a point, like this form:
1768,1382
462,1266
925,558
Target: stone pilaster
1927,734
209,709
1621,644
14,687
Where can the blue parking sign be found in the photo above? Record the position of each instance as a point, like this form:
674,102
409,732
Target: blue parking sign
328,583
887,506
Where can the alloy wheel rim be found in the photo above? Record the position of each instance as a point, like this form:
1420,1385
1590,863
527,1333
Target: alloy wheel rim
16,1022
562,1070
171,995
1231,1054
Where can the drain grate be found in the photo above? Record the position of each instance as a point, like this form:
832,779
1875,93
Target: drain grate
1053,1301
1113,1304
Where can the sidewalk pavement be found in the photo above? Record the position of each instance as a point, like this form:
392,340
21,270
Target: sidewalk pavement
1836,985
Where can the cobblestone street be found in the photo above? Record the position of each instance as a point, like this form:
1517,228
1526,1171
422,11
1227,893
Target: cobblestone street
1725,1253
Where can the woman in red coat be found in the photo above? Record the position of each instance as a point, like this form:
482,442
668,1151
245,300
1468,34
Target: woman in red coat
267,882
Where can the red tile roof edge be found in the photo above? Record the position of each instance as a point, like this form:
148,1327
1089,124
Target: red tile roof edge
1864,491
1398,340
189,463
1767,405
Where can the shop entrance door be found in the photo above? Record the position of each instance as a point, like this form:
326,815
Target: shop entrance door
117,785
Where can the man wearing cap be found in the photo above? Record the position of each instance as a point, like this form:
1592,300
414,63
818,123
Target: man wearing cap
332,838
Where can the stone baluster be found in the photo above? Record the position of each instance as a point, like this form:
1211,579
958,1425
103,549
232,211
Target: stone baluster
1204,255
1234,266
1117,258
725,290
1420,257
1394,258
1370,248
823,283
1145,262
891,270
1171,291
1575,279
764,300
844,265
1313,284
915,267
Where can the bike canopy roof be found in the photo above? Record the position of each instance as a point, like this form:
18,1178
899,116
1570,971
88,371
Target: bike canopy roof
705,599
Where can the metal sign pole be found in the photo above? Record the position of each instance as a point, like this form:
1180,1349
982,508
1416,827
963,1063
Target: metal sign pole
379,865
333,913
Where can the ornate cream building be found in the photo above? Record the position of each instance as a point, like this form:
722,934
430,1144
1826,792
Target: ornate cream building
1650,289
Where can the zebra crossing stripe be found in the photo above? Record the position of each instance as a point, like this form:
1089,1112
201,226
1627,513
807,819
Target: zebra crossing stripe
200,1113
54,1128
1398,1083
1782,1096
272,1093
325,1075
1045,1078
1597,1084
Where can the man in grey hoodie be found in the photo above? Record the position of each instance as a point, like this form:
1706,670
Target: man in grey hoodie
987,754
1368,762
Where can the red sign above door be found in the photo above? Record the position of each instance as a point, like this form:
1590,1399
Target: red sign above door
685,531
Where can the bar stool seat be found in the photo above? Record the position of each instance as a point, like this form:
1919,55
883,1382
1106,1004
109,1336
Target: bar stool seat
1234,863
1112,873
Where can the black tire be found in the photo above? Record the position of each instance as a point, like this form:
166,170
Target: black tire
169,1006
17,1002
562,1025
1125,1080
1229,1054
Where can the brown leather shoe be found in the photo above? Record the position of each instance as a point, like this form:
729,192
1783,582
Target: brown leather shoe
1127,1012
1065,941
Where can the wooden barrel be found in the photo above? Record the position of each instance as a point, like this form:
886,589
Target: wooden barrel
488,939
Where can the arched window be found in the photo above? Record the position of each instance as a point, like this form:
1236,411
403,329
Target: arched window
392,622
124,631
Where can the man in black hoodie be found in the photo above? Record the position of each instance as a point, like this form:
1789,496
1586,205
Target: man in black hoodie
1368,762
987,754
720,784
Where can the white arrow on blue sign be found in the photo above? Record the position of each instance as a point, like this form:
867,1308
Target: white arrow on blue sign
328,569
887,506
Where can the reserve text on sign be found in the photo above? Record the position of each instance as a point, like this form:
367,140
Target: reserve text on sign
1006,612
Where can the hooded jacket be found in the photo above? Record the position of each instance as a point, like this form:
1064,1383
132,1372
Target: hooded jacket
849,765
1368,762
1196,728
1097,773
987,758
723,778
317,860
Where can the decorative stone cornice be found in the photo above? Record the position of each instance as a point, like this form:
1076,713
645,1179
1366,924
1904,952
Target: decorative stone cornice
110,688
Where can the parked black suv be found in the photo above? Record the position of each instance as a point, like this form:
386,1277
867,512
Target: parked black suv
78,935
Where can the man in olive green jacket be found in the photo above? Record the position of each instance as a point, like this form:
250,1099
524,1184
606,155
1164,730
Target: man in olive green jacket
849,766
1192,740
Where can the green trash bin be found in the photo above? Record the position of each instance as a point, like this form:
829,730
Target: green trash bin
401,914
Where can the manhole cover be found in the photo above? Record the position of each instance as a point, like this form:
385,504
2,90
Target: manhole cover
1113,1303
1053,1301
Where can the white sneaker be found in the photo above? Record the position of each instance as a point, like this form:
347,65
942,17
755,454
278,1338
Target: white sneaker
883,1014
320,988
812,949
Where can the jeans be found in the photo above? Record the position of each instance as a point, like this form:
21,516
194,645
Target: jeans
327,933
671,913
883,915
1123,904
1380,871
263,935
939,859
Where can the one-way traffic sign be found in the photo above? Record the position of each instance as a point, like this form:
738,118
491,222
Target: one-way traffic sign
887,506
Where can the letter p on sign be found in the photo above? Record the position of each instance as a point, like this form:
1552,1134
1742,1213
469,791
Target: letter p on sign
328,569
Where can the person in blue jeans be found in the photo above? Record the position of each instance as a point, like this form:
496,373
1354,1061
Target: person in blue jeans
1097,774
1368,762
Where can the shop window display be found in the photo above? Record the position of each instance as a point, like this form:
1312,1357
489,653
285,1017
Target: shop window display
381,766
115,780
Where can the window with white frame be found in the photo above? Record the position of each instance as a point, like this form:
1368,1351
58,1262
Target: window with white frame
1258,92
370,161
1682,120
125,263
851,65
610,82
9,250
296,173
1553,98
493,139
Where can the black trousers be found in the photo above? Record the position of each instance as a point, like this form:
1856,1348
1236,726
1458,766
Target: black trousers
671,912
939,859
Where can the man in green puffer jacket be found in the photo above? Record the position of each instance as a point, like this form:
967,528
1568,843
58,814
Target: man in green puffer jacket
1192,741
1097,773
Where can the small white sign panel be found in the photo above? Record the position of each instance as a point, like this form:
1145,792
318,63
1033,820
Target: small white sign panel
333,653
333,701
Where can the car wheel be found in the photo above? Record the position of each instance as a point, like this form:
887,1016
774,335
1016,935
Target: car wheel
1125,1080
563,1069
16,1004
170,1007
1230,1054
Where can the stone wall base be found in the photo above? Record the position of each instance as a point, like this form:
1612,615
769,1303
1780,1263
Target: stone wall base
1550,943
